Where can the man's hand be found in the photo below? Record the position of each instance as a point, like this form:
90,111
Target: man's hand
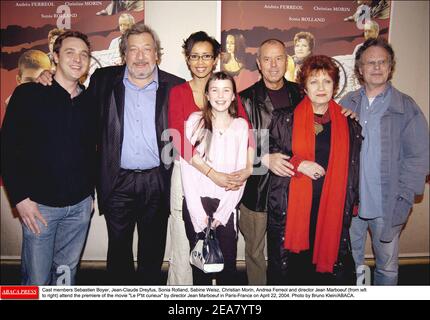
278,164
311,169
348,113
45,78
29,212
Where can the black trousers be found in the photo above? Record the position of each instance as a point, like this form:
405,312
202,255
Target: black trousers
138,198
227,238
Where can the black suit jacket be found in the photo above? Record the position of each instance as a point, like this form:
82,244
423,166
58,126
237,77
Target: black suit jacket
108,93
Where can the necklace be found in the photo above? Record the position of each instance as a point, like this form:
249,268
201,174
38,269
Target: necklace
318,128
225,127
319,121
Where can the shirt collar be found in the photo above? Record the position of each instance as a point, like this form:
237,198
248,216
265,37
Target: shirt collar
57,85
129,84
383,94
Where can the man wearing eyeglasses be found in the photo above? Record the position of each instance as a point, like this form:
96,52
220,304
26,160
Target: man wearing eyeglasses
394,158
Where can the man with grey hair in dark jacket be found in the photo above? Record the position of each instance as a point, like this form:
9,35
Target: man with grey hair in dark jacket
272,92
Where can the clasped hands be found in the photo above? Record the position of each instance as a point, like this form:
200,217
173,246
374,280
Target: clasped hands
230,181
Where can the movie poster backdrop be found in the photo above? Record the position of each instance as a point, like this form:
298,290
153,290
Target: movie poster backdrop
333,28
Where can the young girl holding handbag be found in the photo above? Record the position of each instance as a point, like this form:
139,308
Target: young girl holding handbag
221,139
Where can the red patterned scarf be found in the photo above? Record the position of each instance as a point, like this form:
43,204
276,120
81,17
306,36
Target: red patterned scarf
332,201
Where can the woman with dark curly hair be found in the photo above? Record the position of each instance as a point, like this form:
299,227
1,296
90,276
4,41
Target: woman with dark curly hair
309,214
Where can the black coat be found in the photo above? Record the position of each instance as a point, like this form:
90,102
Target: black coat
259,108
108,93
281,141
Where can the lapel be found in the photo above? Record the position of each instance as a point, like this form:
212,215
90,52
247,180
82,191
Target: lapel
356,99
396,103
119,96
264,101
160,105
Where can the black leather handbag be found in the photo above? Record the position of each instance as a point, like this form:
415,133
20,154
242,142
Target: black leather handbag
207,255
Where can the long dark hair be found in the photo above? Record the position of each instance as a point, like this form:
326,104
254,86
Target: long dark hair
205,126
239,51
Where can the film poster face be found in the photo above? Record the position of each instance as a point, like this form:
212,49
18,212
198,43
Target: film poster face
29,29
333,28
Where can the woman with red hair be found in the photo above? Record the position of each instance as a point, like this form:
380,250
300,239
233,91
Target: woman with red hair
310,213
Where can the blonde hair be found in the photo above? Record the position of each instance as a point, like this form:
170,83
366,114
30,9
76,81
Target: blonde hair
33,59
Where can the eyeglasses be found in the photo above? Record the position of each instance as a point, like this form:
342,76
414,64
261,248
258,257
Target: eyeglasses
373,64
204,57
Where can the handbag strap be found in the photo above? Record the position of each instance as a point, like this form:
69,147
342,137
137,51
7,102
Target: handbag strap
208,229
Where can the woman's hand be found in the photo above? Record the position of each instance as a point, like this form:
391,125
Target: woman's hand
224,180
311,169
215,222
241,176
